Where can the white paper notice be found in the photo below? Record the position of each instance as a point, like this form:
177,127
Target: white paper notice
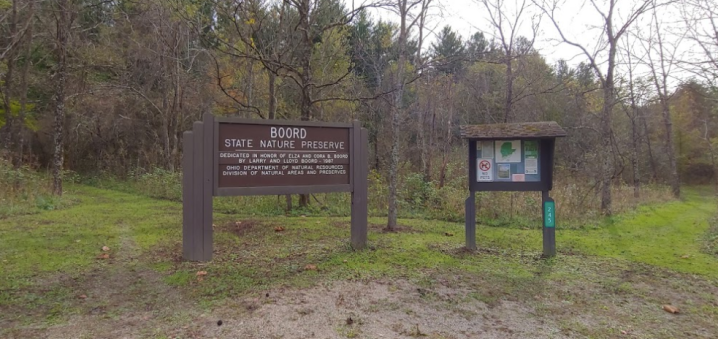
531,166
508,150
487,149
485,170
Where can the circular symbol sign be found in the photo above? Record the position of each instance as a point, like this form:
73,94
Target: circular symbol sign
485,165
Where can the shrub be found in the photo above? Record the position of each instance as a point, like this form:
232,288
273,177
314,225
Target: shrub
576,198
24,190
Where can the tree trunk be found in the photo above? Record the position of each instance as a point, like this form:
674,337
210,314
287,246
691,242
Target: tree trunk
249,91
165,134
8,128
670,152
432,140
60,80
635,144
288,198
651,159
176,106
423,149
509,88
306,73
662,89
23,93
634,157
396,121
272,95
713,158
447,142
7,95
607,157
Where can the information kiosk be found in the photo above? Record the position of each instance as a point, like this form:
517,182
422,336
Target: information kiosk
512,157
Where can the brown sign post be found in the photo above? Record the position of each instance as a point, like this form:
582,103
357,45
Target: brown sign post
232,156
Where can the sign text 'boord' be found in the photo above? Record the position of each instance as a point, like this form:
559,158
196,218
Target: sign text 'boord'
231,156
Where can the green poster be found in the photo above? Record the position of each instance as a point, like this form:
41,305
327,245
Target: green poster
530,157
531,149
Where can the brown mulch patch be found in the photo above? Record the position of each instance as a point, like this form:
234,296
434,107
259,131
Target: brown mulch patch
241,227
399,229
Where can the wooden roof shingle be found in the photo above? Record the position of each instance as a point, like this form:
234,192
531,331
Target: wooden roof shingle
521,130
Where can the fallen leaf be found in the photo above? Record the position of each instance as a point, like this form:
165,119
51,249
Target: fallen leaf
303,216
685,256
105,248
201,273
670,309
103,256
449,234
310,267
279,229
238,223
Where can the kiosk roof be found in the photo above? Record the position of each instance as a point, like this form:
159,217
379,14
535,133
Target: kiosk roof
521,130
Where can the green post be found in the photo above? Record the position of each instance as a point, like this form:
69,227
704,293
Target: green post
549,225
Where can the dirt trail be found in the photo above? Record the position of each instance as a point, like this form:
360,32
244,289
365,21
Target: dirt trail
340,310
375,310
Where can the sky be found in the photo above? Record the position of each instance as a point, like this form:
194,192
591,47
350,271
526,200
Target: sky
469,16
578,19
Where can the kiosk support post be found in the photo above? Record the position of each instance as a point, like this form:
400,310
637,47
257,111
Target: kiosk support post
471,221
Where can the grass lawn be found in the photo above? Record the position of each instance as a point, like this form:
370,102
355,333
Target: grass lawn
606,281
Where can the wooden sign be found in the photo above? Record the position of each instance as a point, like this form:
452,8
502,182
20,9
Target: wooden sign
232,156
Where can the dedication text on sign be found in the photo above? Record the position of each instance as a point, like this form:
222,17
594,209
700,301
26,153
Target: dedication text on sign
265,155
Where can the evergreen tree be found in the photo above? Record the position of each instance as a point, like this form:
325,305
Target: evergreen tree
448,51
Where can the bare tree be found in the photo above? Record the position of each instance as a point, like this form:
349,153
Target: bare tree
701,23
636,91
661,59
507,26
62,19
426,141
408,18
602,53
19,21
24,86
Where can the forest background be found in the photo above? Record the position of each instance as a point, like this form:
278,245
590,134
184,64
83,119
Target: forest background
100,92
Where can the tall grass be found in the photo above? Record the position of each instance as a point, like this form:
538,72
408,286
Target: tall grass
577,201
24,190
